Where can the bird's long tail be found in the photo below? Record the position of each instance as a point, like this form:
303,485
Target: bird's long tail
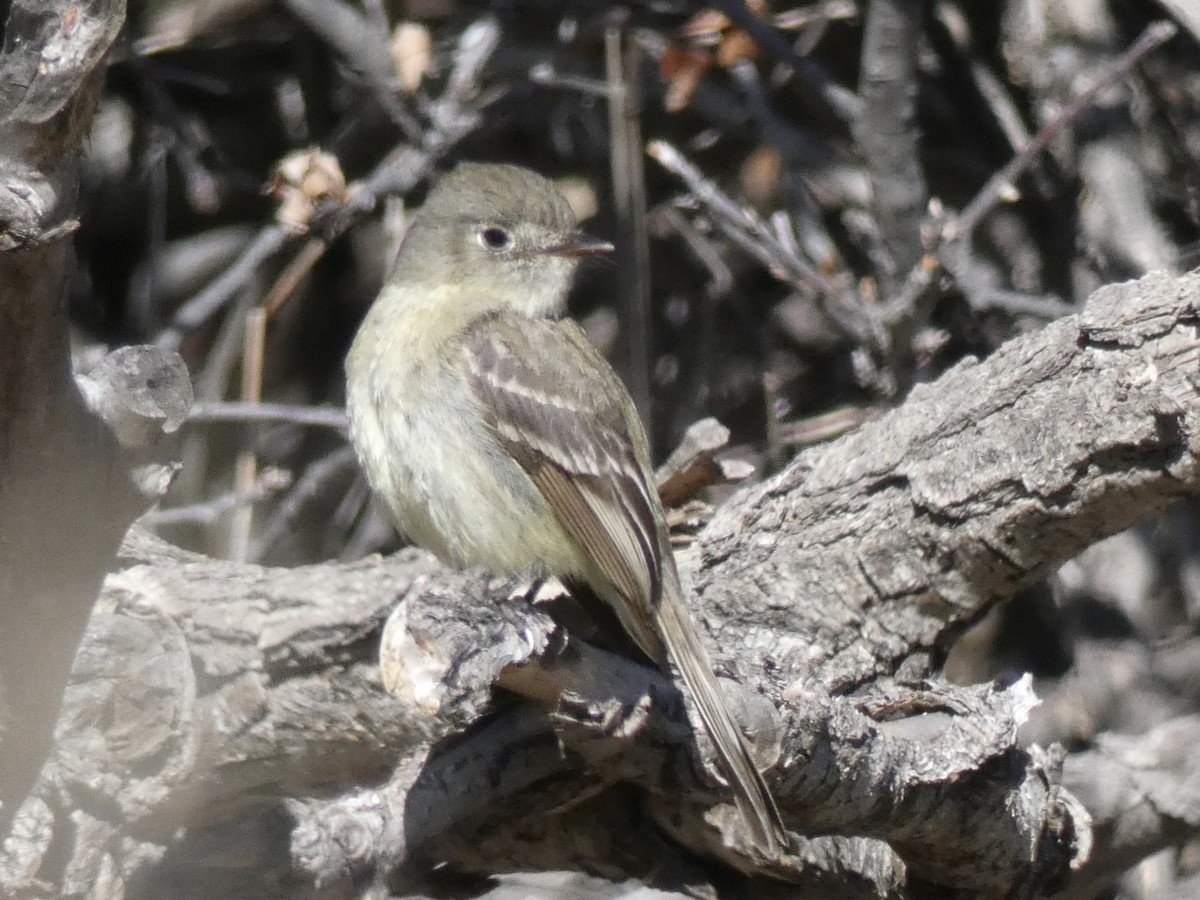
687,652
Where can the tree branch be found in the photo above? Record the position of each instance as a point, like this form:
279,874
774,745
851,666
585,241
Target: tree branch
851,570
77,463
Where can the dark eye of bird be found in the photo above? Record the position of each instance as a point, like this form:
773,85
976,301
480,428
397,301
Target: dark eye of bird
494,238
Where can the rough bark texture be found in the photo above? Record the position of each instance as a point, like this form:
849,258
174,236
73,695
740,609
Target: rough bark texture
882,544
248,704
77,463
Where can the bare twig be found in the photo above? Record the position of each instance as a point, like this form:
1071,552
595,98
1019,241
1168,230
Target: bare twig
268,482
307,488
362,46
721,280
214,412
1187,13
741,225
815,15
246,467
749,232
195,312
453,116
972,280
693,466
543,73
949,33
293,275
629,193
825,427
1153,37
457,111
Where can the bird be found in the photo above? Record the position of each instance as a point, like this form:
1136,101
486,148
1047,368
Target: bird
497,436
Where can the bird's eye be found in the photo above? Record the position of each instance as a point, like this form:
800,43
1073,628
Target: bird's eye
493,238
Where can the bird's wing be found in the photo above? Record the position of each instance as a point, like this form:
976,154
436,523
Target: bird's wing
560,411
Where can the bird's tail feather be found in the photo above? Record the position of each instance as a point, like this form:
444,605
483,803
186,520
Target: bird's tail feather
687,652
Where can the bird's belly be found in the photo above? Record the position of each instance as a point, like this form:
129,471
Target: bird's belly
454,490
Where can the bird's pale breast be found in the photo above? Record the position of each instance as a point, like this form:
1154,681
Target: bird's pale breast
448,484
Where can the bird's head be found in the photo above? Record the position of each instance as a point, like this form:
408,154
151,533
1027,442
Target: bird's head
499,230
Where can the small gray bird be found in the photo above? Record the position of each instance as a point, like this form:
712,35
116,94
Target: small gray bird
498,436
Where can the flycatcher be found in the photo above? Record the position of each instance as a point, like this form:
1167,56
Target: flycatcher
499,437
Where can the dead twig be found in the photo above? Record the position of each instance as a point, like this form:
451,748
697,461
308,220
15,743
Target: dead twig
268,482
622,62
246,467
742,226
1001,183
231,412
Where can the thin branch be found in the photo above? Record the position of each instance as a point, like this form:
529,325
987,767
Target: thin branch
245,473
316,478
360,45
743,227
195,312
453,117
266,483
216,412
1155,35
629,194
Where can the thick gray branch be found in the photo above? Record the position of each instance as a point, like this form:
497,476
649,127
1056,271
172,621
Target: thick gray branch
73,473
1144,794
853,566
865,555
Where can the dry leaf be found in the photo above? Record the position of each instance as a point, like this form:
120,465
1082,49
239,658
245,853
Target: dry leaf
682,68
412,54
760,175
301,182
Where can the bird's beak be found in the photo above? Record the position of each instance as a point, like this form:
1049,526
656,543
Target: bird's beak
579,245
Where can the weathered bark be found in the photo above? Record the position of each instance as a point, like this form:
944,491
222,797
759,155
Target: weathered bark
823,590
77,463
883,544
1143,793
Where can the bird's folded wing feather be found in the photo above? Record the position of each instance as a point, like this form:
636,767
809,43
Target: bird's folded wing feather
560,411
